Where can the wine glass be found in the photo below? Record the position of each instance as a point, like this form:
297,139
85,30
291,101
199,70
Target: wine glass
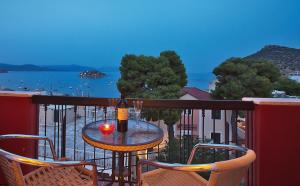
137,110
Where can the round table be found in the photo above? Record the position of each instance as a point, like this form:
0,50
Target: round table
145,136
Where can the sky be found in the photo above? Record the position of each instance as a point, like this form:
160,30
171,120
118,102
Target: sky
98,33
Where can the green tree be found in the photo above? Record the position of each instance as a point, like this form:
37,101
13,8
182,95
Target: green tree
291,87
238,78
154,78
176,65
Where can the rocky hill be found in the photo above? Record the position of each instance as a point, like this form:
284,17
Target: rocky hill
286,59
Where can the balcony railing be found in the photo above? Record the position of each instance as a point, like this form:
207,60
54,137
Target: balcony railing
62,118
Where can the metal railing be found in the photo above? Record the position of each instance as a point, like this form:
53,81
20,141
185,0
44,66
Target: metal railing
61,118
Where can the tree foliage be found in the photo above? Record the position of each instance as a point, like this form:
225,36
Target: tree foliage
151,77
154,78
237,78
176,65
291,87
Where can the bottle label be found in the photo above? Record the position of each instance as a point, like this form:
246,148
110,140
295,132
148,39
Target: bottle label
122,114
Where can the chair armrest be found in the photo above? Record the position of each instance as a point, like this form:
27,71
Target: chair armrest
32,137
214,146
55,163
174,166
36,162
41,163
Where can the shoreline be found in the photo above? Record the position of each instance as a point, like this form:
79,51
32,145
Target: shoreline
70,83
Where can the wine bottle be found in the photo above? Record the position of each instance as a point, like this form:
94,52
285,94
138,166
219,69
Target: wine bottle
122,120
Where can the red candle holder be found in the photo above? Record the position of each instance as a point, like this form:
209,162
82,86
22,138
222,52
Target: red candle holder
107,128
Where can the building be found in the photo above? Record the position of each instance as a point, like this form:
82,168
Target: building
203,124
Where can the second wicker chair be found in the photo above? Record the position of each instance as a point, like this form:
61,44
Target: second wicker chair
223,173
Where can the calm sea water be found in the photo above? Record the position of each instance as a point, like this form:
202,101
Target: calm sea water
70,83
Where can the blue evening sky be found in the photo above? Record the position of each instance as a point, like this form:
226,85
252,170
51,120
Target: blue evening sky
99,32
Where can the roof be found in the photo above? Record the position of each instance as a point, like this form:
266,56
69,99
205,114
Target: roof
18,93
197,93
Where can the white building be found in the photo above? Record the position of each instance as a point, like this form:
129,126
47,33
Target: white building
207,124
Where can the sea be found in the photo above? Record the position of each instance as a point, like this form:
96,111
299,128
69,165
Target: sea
70,83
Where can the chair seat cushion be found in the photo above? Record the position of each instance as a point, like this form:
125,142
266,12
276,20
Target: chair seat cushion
67,176
163,177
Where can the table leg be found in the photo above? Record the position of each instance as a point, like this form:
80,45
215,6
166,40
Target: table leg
113,165
129,167
121,169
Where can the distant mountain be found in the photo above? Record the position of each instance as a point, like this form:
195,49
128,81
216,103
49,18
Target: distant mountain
285,58
30,67
26,67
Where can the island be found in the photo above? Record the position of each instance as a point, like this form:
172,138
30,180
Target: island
91,74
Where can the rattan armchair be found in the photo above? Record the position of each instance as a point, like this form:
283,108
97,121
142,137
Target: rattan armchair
56,172
223,173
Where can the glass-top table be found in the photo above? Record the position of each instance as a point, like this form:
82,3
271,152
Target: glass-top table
145,136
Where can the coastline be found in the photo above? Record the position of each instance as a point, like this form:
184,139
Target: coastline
70,83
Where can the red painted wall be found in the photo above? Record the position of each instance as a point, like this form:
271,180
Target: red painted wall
18,115
277,145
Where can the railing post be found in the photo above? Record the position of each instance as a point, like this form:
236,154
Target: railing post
63,134
249,179
45,129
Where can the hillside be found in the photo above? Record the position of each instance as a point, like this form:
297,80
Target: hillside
285,58
26,67
30,67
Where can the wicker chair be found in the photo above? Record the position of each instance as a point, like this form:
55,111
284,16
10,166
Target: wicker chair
56,172
223,173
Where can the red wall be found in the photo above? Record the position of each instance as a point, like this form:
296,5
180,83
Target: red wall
18,115
277,145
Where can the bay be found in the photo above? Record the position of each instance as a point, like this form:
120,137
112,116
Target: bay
70,82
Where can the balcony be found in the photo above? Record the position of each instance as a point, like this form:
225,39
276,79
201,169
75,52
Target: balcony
62,118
